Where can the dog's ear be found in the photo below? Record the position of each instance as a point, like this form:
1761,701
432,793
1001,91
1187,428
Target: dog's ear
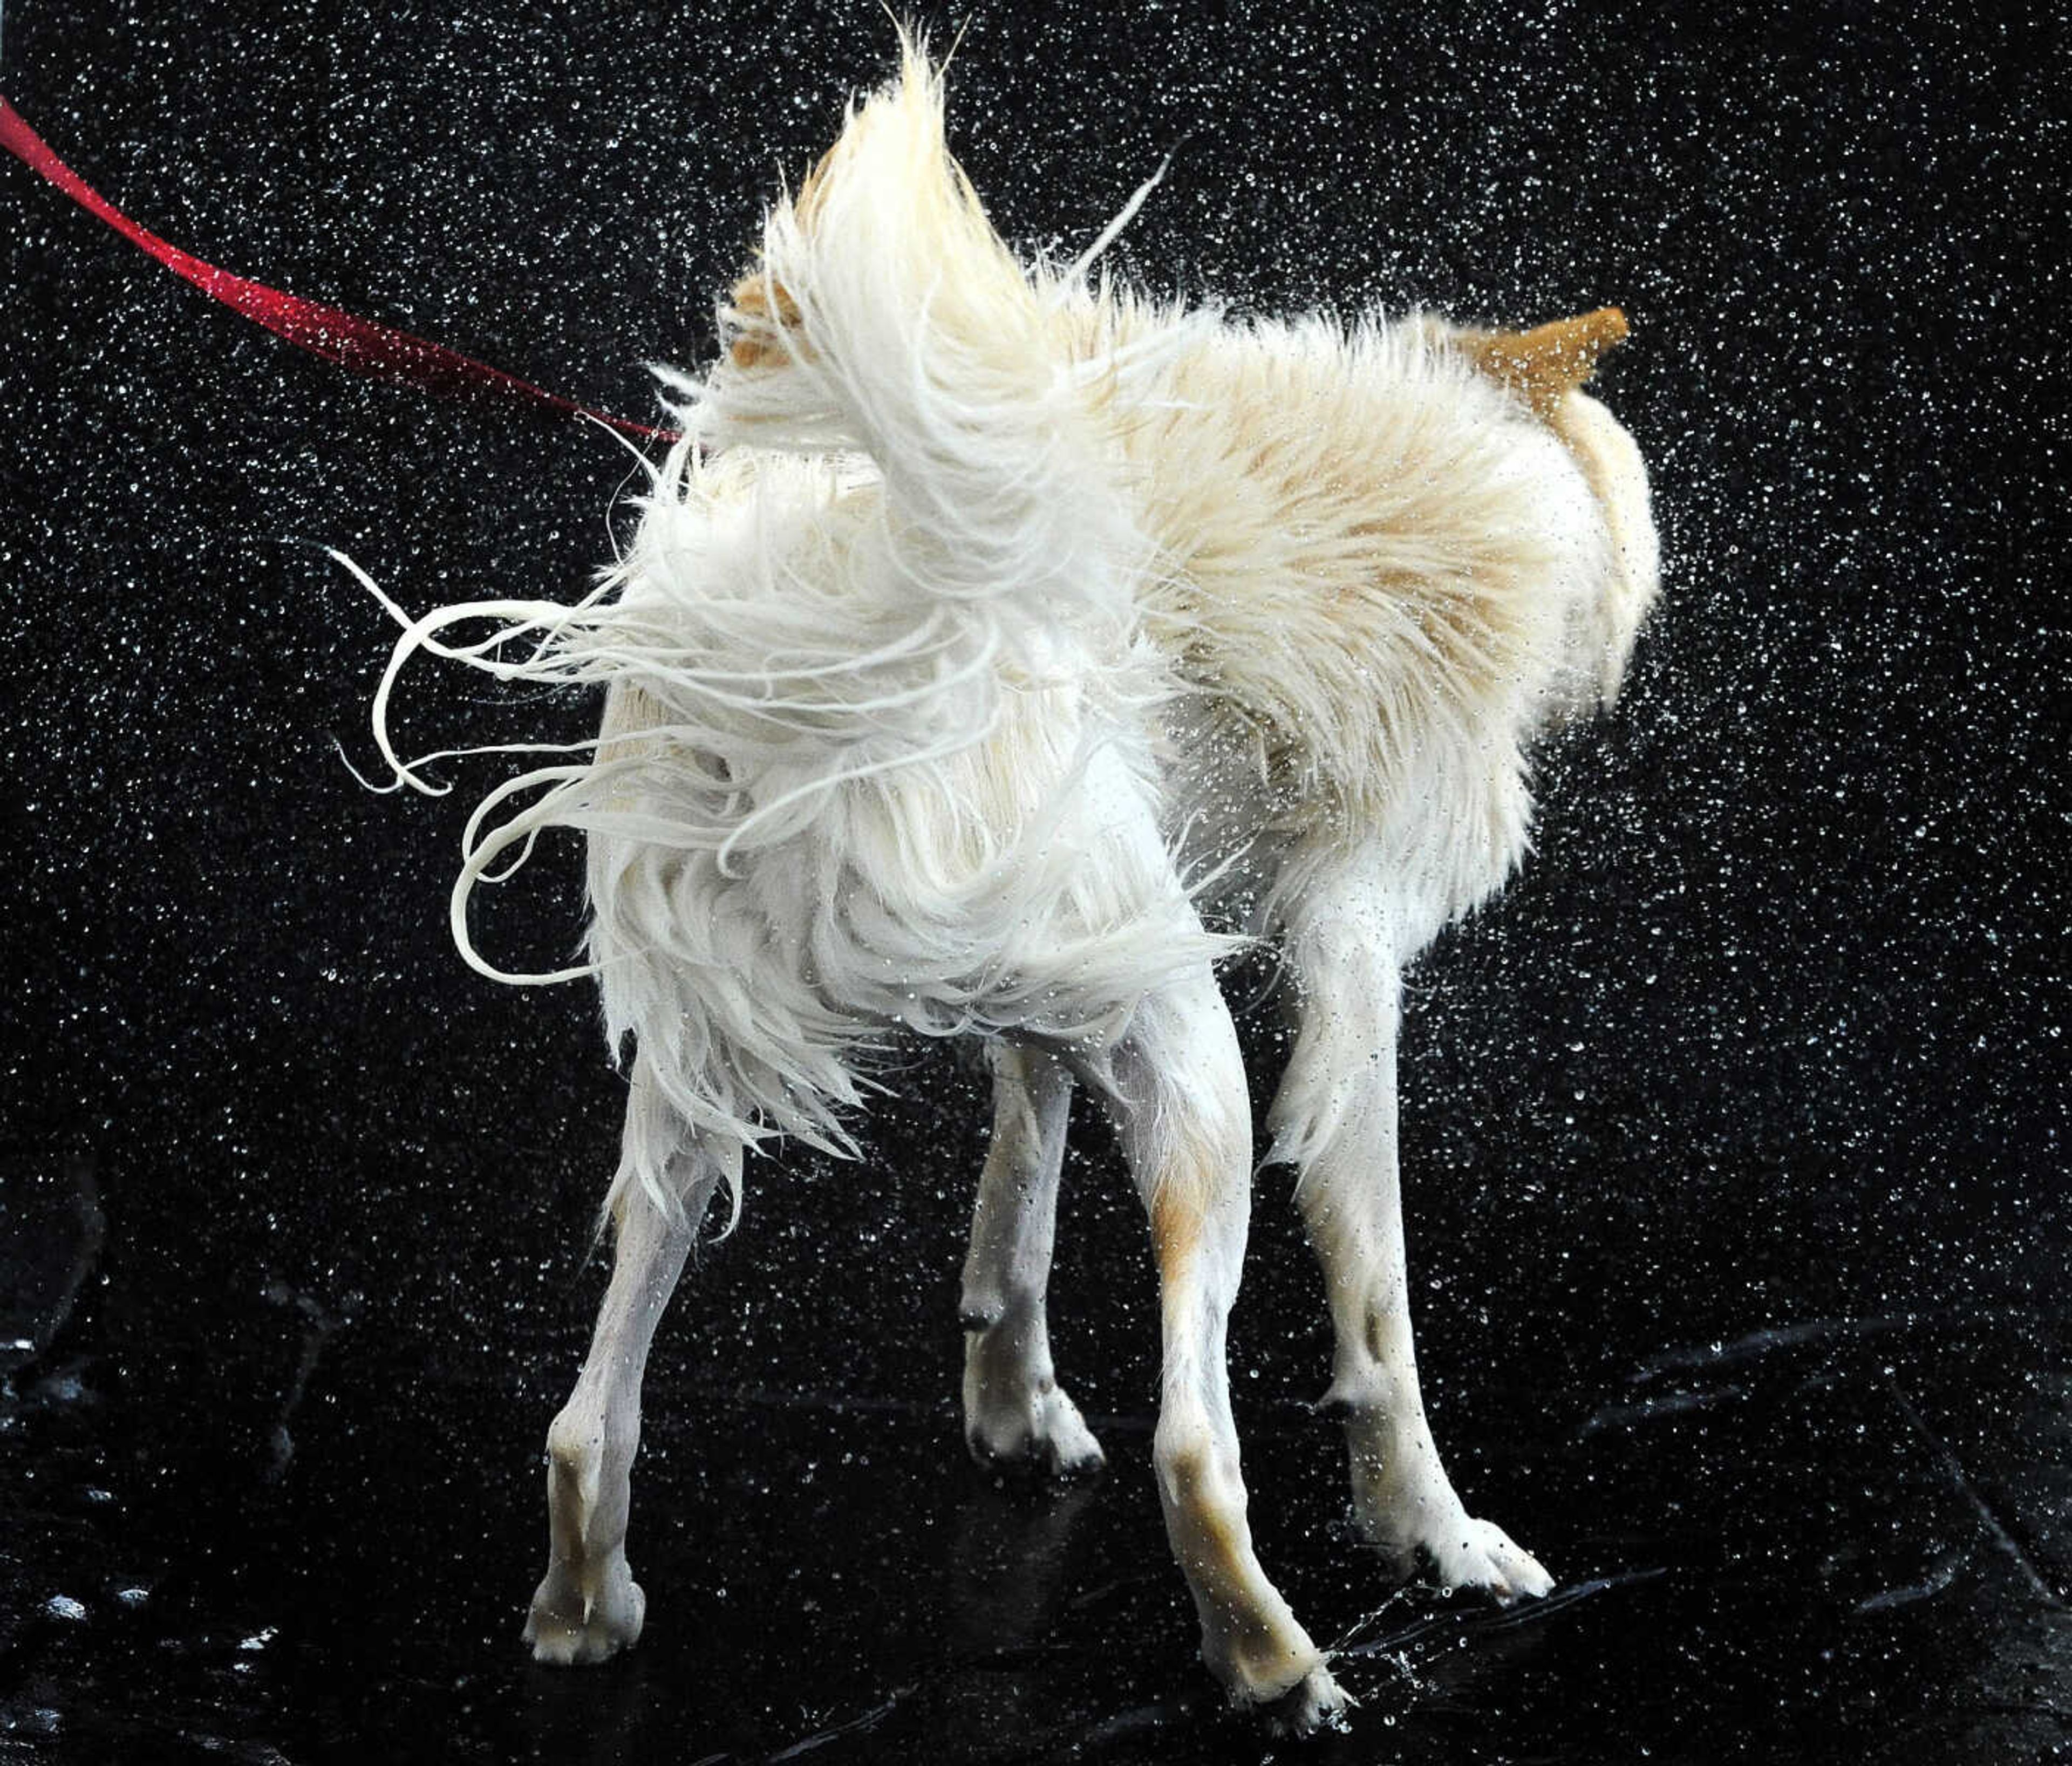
759,313
763,325
1543,365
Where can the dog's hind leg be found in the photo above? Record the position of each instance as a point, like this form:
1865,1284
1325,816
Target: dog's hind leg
1015,1412
1176,1088
588,1606
1334,1118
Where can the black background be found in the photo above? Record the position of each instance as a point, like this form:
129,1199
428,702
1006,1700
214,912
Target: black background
1733,1132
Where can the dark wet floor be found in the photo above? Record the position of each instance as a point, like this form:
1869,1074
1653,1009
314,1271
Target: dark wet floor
1845,1539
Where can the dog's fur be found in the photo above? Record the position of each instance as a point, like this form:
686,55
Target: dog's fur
994,644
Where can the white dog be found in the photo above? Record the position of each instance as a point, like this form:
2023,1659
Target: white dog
992,637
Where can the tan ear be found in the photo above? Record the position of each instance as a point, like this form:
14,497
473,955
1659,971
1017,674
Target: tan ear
1546,364
760,307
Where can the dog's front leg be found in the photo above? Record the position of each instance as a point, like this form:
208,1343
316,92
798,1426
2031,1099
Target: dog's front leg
1334,1118
1015,1415
588,1607
1177,1093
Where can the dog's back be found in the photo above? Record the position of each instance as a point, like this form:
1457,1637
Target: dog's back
1388,570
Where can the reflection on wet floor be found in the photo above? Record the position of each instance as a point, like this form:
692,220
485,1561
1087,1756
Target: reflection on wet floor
1846,1538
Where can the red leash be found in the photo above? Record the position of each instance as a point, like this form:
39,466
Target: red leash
358,343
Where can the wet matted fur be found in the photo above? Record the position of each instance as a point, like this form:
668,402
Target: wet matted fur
998,649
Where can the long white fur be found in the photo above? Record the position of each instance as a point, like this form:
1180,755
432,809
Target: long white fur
902,620
988,626
890,689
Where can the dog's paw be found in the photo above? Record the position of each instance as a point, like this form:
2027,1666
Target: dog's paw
1044,1436
1314,1702
1470,1556
569,1627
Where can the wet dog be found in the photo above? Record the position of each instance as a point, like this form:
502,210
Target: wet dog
998,649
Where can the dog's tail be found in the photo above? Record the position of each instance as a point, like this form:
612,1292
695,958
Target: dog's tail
884,316
895,526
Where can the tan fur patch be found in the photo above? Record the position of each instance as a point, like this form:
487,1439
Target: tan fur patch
1176,1227
1543,365
767,307
1349,587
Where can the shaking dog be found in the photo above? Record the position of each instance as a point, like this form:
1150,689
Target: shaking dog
999,649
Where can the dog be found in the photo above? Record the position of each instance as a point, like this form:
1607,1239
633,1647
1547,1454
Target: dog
998,649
